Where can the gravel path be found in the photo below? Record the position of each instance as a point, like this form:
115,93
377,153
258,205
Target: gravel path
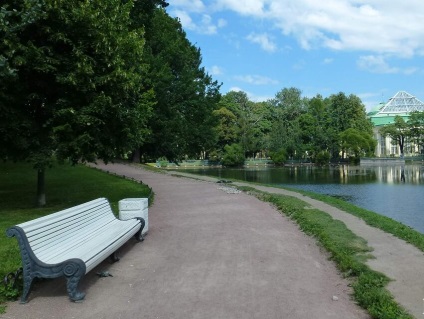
400,261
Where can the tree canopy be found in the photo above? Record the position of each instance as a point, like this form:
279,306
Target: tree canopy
182,122
292,127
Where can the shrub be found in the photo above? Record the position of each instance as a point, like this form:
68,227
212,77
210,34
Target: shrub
233,155
279,157
322,158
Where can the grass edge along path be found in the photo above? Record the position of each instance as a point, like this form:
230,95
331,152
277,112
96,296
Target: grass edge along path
373,219
347,250
66,186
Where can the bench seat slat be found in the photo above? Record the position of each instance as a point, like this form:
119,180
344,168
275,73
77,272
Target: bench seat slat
63,214
44,242
84,246
53,226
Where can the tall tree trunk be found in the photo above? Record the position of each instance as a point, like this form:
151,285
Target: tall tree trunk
41,187
136,156
401,144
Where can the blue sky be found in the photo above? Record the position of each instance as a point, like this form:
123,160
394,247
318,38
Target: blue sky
372,49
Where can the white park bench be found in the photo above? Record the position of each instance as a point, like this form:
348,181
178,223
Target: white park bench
72,242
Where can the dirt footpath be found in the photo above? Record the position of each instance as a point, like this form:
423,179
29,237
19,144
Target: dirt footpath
208,254
398,260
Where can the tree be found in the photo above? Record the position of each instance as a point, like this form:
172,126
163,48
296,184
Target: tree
280,157
247,121
355,142
397,131
318,124
226,130
233,155
287,106
345,112
71,85
416,128
186,96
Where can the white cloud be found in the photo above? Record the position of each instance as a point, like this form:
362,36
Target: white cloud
256,79
376,64
185,19
189,5
246,7
205,25
264,40
381,27
328,61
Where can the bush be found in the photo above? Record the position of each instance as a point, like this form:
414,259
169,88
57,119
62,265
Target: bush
233,155
322,158
280,157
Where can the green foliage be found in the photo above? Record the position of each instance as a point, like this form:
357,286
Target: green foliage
416,127
398,132
226,130
233,155
186,96
355,142
280,157
242,121
76,88
287,106
322,158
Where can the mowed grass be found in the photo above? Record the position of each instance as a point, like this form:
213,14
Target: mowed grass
66,186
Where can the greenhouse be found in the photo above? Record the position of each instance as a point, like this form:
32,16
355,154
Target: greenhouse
402,104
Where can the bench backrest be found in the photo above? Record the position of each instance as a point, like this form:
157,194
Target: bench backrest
48,231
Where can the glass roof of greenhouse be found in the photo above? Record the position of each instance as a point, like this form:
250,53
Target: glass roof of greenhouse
402,102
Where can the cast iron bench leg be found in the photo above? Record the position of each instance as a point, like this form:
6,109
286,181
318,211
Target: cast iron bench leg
73,273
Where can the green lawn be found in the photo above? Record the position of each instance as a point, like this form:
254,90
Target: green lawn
66,186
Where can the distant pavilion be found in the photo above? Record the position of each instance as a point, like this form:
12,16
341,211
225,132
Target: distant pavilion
402,104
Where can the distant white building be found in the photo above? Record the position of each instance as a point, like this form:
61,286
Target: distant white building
402,104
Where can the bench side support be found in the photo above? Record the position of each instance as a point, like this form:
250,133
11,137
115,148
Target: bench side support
139,235
72,269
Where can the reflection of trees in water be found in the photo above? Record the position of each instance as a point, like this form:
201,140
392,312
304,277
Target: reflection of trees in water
402,174
343,174
411,174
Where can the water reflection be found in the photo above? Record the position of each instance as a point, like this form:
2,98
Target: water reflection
393,191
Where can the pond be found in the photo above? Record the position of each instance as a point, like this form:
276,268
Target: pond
393,191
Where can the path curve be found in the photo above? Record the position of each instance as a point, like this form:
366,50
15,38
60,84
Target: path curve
208,254
398,260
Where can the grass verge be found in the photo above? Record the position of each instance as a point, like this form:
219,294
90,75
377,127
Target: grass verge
384,223
347,250
66,186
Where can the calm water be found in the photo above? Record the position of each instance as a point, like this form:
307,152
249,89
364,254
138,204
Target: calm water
388,190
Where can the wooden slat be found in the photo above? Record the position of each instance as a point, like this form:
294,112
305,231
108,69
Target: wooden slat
60,231
59,215
92,243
